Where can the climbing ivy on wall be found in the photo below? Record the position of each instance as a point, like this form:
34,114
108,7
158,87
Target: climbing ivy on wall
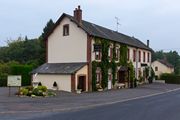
104,63
123,55
114,65
94,67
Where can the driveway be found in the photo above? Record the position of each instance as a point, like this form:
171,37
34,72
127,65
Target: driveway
24,107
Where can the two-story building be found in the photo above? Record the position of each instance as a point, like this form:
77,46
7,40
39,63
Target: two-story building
74,45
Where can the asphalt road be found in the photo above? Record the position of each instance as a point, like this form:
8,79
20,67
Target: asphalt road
159,107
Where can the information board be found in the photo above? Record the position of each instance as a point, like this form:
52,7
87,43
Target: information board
14,80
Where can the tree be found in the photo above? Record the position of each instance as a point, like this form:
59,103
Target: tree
49,26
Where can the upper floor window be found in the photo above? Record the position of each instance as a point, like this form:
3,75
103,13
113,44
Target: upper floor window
144,56
148,57
117,53
128,55
66,30
134,55
156,68
139,56
110,52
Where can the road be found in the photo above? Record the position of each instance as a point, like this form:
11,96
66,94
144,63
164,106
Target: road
160,107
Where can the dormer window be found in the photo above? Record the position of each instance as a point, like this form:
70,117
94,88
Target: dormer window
66,30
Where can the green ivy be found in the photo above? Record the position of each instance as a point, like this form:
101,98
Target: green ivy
104,63
123,55
94,67
131,70
113,64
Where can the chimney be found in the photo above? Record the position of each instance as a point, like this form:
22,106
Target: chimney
78,14
147,43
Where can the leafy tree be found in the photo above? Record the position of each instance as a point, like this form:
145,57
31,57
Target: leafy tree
49,26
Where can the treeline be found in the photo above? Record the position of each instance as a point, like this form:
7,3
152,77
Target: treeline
21,56
172,57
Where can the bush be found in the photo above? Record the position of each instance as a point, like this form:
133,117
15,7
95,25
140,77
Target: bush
43,88
37,92
24,91
170,78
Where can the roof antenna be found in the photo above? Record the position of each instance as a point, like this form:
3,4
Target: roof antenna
117,23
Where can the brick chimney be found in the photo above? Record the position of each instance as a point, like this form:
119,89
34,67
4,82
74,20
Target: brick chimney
78,15
147,43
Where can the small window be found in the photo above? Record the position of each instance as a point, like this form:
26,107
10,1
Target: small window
156,68
117,53
134,55
139,56
66,30
144,56
98,77
148,57
128,55
98,55
110,53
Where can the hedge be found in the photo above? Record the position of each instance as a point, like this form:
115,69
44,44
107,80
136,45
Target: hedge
170,78
24,71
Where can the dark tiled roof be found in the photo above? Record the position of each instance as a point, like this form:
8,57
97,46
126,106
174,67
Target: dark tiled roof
58,68
166,63
102,32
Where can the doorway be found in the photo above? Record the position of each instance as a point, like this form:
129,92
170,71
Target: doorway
82,83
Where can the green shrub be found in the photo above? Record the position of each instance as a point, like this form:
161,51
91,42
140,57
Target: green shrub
170,78
24,91
43,88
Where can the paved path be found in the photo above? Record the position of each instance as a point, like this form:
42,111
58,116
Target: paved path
20,108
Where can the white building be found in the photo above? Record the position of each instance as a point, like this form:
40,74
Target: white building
71,49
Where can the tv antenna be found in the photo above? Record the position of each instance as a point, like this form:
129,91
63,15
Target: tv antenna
117,23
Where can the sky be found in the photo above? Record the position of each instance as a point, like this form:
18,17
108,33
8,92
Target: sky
154,20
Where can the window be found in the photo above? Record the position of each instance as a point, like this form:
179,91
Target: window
144,57
117,53
97,55
128,55
110,53
134,55
66,30
139,56
156,68
148,57
98,77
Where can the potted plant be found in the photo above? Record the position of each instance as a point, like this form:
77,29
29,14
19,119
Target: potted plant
99,88
55,86
79,90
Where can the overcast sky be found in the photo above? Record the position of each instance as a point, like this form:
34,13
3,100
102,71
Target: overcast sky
156,20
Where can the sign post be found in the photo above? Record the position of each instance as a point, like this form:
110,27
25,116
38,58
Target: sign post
13,81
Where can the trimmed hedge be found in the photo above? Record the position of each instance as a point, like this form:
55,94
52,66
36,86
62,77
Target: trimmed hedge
24,71
170,78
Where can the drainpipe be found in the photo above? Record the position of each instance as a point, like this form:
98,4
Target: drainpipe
136,67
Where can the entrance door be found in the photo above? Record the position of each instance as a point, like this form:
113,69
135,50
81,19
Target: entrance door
122,75
82,83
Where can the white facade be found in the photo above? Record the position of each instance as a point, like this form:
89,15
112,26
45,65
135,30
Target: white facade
67,49
63,81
